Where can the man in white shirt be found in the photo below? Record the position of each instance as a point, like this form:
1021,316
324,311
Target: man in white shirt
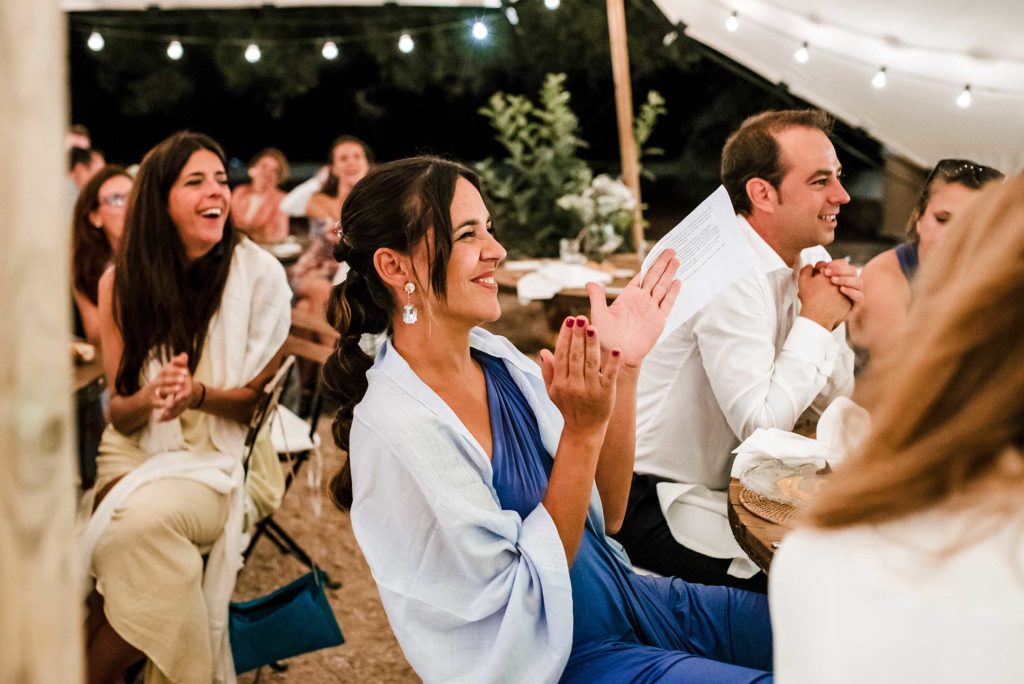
770,351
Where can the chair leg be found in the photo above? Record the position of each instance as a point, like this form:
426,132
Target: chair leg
275,530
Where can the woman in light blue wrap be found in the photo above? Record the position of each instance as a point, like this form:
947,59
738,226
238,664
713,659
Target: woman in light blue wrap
482,486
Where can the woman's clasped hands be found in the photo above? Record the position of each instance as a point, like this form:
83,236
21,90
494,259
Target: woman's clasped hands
580,379
172,390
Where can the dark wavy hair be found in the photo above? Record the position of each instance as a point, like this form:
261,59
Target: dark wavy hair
91,252
161,301
752,151
394,206
330,186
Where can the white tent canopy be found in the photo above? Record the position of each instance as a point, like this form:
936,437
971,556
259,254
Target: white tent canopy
930,50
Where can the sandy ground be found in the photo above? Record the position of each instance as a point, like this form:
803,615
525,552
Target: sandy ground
370,653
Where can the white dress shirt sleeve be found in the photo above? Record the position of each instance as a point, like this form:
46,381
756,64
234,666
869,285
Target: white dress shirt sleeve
294,203
474,593
756,385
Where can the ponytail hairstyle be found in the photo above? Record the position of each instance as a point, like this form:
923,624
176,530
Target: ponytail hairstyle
161,301
395,206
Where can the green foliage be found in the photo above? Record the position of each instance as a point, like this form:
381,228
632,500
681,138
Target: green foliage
542,165
643,126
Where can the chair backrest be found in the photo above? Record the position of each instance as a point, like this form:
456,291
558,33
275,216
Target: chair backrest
266,405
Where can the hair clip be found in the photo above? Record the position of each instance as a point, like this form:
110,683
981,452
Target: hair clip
337,230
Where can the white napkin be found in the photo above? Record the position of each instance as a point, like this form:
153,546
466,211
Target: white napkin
841,428
522,265
552,278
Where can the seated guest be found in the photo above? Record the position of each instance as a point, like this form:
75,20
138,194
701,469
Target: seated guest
949,190
316,270
472,471
192,318
255,207
83,163
97,225
909,566
349,160
769,352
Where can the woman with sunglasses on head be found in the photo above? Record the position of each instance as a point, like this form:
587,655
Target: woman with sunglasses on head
97,224
949,190
192,320
482,487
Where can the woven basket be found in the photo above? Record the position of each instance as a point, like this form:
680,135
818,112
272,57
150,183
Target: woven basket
765,508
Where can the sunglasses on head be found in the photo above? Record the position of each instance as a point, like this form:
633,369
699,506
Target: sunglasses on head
964,172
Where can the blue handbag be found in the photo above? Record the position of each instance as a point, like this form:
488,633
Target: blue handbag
292,620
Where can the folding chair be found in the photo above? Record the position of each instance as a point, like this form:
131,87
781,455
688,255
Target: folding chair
266,406
295,438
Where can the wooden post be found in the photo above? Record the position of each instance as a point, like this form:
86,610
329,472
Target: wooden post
40,613
624,111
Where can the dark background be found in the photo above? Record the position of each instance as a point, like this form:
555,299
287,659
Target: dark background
131,95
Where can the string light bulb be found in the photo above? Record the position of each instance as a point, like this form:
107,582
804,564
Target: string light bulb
406,43
95,41
252,53
480,30
175,50
732,24
670,38
552,4
330,50
964,99
802,54
879,80
512,16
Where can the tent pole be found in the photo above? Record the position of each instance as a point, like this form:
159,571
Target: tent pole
624,111
40,578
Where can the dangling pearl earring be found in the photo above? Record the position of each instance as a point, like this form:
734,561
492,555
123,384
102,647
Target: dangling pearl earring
409,310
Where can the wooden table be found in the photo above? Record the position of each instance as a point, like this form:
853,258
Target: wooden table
573,301
756,536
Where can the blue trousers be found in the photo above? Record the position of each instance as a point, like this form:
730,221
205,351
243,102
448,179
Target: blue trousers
708,635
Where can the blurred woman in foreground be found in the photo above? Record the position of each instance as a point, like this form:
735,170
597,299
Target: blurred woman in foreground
911,566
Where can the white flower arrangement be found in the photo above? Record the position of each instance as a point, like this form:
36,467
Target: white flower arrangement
605,210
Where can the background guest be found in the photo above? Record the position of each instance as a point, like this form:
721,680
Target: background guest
316,270
909,568
97,225
949,190
256,206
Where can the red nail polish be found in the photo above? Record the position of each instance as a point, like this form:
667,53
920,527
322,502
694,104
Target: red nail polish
568,322
580,322
615,352
590,333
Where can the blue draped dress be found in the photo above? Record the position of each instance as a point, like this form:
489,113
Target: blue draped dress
626,627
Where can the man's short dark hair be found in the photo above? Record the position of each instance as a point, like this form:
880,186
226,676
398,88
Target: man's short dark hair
79,155
752,151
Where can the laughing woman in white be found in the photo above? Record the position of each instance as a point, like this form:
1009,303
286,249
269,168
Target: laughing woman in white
482,486
911,568
192,319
